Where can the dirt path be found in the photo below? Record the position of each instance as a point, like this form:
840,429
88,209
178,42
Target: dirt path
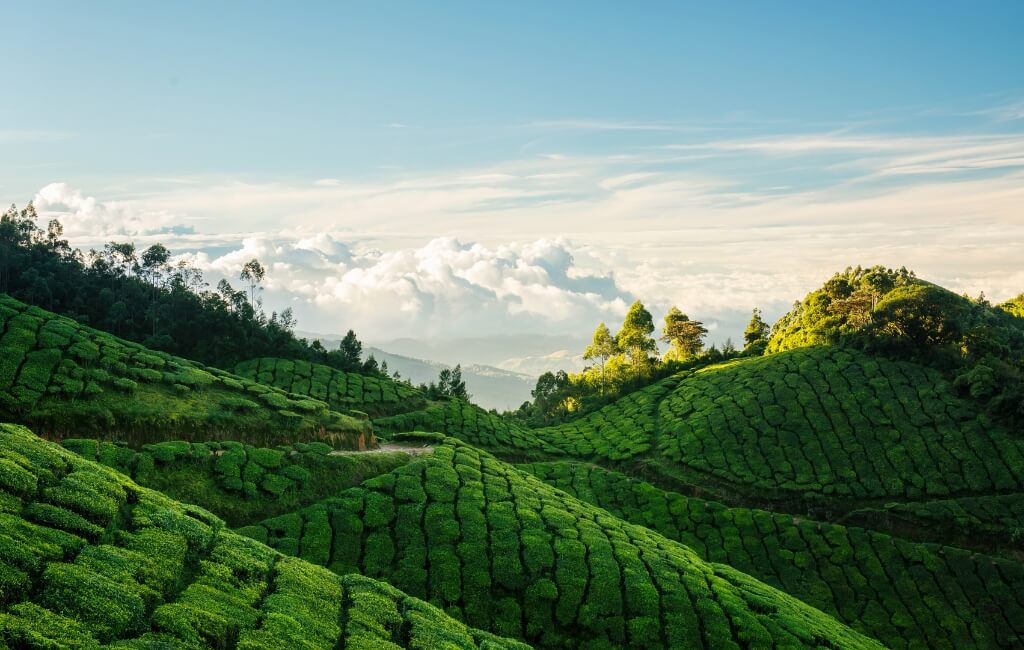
386,448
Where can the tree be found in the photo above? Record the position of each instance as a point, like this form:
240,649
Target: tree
253,273
602,347
155,261
351,352
370,366
456,386
635,337
684,336
755,337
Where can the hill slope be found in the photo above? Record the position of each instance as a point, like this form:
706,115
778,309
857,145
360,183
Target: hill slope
62,377
902,593
511,554
90,557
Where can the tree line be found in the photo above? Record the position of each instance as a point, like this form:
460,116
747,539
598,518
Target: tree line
148,297
629,359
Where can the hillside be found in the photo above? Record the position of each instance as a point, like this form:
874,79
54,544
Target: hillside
89,557
903,593
508,553
65,378
341,390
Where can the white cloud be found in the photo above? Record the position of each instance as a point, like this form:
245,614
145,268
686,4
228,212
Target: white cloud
86,217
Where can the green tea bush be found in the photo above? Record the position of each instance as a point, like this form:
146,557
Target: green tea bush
172,576
510,554
70,379
843,571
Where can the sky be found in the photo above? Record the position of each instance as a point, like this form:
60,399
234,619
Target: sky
450,169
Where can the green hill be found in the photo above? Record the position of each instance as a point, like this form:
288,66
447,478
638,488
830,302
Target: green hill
377,396
89,557
902,593
503,551
826,422
237,482
64,378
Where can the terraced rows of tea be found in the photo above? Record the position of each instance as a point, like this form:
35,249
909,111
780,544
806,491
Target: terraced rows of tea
237,482
505,552
341,390
619,431
836,423
63,377
905,594
471,424
87,557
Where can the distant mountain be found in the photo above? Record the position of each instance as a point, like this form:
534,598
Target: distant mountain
538,365
490,387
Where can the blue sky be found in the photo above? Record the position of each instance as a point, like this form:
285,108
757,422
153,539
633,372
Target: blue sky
440,158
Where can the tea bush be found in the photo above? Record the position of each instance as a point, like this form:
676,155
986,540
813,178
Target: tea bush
167,575
68,378
904,594
507,553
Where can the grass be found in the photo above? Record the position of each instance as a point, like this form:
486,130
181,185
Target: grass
64,378
149,572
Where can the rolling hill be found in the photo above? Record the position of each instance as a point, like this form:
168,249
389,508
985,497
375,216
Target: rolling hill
89,558
64,378
508,553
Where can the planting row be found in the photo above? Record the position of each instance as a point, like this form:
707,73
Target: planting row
471,424
622,430
503,551
838,423
87,557
341,390
240,483
904,594
67,377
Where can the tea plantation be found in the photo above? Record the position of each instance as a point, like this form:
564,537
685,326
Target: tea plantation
87,557
907,594
62,377
237,482
376,396
505,552
836,423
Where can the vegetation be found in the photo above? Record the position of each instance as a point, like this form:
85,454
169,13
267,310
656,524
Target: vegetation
237,482
150,298
91,558
906,594
830,422
893,313
65,378
371,394
505,552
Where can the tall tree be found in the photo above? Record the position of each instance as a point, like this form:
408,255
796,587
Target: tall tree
756,334
635,337
253,273
602,347
684,336
351,352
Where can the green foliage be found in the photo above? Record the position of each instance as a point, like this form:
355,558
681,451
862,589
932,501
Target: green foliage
510,554
843,571
340,390
169,575
77,380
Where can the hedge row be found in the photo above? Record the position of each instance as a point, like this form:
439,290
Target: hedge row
341,390
621,430
503,551
160,574
238,482
838,423
996,520
902,593
471,424
66,377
